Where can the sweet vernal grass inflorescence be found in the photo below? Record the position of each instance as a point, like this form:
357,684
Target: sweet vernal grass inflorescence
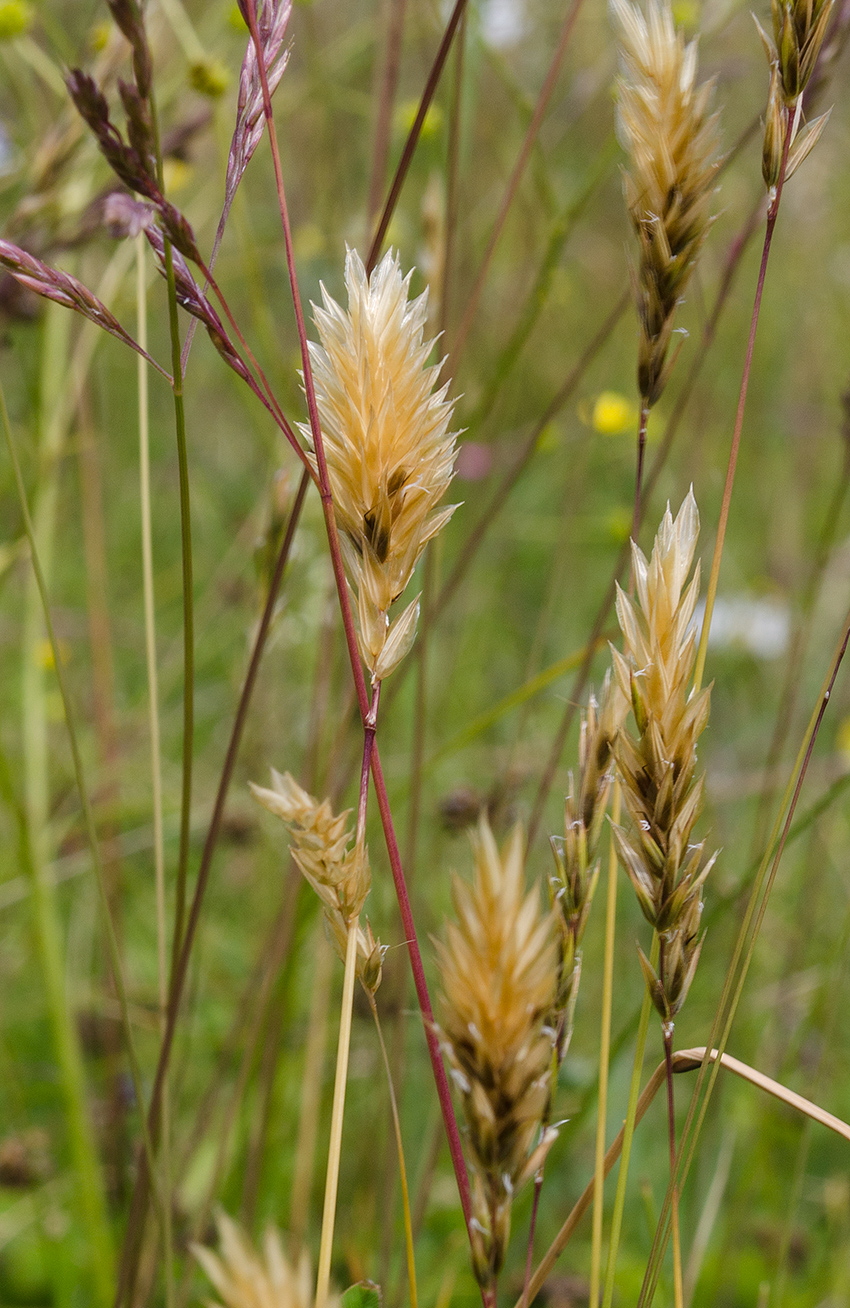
498,967
657,765
244,1278
665,124
576,854
389,452
799,28
337,869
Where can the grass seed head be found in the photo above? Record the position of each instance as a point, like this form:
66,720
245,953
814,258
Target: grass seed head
246,1278
665,124
576,862
498,967
662,793
799,29
389,452
337,870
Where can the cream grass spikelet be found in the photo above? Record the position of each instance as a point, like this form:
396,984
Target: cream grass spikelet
389,452
499,969
337,870
665,124
799,29
244,1278
576,861
661,789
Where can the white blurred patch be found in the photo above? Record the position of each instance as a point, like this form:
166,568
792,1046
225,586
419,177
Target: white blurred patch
503,22
6,152
759,625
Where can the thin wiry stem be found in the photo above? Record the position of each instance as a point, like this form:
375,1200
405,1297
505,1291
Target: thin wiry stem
633,1116
711,592
32,815
138,1209
413,135
793,683
549,83
667,1033
641,447
337,1114
82,788
387,84
686,1060
747,936
604,1057
153,724
420,982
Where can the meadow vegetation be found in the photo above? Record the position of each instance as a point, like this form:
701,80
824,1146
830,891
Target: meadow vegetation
381,831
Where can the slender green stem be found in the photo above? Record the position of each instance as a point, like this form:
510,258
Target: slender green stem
628,1133
641,449
711,593
188,615
338,1112
153,726
33,838
667,1034
88,816
604,1057
746,940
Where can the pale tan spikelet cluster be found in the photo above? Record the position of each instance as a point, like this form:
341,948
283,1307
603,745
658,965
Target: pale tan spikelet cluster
661,789
499,968
389,452
244,1278
671,137
576,853
337,869
799,29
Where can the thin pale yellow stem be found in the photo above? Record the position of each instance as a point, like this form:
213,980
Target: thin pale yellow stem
604,1058
308,1117
338,1112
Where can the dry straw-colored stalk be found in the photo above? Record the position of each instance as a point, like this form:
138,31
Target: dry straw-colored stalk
499,968
657,766
665,125
577,860
244,1278
389,452
337,870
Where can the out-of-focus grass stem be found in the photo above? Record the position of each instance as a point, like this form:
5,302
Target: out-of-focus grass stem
628,1132
711,592
33,837
153,716
737,971
604,1056
88,816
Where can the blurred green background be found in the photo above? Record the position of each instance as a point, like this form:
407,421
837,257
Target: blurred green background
767,1208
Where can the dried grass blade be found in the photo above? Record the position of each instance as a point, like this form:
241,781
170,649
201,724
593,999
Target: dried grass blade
687,1060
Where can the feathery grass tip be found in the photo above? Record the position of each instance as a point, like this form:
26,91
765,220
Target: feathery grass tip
337,870
499,971
657,767
665,125
389,452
